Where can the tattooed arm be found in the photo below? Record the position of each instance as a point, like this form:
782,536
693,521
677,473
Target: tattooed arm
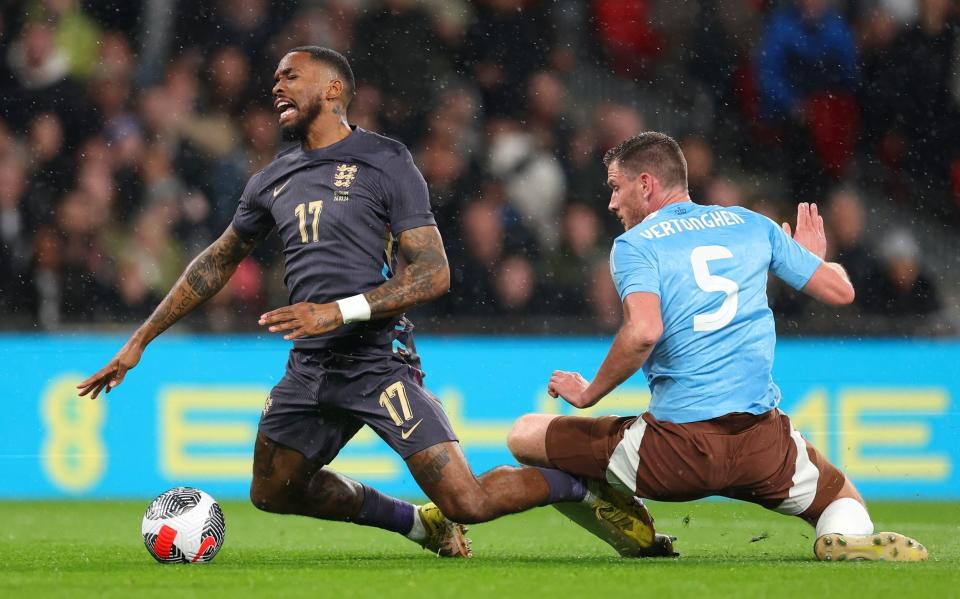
202,279
426,277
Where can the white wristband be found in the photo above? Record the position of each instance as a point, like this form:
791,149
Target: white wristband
354,309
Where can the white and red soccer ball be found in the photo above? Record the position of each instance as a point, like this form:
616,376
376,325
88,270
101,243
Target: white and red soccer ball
183,525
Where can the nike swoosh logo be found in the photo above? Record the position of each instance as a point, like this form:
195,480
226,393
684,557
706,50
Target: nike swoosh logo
406,434
277,190
207,543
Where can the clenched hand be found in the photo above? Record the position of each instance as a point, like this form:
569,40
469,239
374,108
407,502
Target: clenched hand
568,385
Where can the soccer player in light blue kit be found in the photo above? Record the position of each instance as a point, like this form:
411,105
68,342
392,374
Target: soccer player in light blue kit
693,283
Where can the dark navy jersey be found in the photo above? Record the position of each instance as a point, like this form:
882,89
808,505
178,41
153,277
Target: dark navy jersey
338,211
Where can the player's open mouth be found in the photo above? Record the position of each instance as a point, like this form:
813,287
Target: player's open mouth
285,107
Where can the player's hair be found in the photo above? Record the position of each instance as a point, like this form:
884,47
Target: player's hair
337,62
653,152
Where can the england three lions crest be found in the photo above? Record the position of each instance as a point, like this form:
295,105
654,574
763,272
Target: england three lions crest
345,174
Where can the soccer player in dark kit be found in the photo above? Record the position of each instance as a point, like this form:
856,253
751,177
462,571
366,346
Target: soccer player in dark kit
345,202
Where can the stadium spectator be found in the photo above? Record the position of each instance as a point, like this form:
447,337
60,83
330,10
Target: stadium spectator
408,77
924,57
585,178
904,287
245,23
515,285
138,299
229,91
150,246
722,191
614,120
532,179
16,251
41,83
808,74
232,171
699,166
573,262
627,38
330,24
116,59
546,116
609,123
50,167
720,42
847,231
46,280
505,44
366,107
446,156
77,36
445,171
86,277
484,245
605,307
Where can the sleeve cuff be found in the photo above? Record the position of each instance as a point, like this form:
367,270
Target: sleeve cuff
800,280
412,222
242,231
637,288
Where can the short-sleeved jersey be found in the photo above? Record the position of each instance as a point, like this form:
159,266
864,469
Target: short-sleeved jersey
709,267
338,211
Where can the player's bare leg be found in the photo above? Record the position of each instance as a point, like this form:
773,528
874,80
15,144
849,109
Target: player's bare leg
619,519
845,533
286,482
443,473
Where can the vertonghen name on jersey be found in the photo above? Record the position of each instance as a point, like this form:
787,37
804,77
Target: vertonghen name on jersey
719,218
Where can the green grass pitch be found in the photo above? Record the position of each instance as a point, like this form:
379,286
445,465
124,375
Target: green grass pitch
728,549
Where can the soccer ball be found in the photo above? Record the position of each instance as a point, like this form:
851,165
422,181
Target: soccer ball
183,526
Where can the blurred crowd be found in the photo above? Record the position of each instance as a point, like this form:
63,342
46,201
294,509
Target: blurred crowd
128,130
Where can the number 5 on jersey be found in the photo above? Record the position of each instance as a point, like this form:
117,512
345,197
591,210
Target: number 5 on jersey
699,258
301,212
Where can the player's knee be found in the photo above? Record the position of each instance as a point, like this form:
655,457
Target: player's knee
466,513
518,439
515,439
268,498
467,508
527,439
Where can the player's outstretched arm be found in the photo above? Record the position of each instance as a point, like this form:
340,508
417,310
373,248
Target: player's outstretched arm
642,328
426,277
829,283
202,279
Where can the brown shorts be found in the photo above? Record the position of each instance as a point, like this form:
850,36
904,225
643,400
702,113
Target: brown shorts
760,459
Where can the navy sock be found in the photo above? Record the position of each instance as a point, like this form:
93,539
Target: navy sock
563,486
385,512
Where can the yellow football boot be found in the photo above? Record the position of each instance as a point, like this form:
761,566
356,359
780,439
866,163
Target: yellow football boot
623,522
881,546
444,538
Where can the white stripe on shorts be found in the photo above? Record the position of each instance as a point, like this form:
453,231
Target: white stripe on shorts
625,461
805,477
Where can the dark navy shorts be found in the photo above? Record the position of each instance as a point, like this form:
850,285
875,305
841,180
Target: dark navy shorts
326,396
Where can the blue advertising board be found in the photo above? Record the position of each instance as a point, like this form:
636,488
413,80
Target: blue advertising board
187,415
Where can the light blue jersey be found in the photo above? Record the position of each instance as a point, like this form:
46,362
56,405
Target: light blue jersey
709,266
